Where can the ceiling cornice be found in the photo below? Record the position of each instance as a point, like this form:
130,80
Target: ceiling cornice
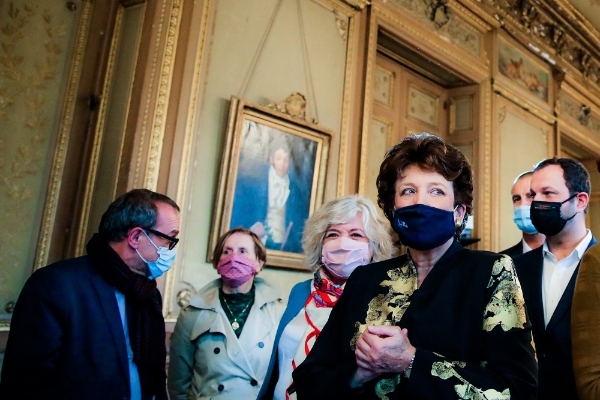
554,30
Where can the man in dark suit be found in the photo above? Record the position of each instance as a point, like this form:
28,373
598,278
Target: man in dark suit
521,198
92,327
560,188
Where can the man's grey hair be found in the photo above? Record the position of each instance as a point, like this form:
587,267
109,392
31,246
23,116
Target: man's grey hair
340,211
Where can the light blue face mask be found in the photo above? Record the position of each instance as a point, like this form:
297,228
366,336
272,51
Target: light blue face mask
165,260
523,220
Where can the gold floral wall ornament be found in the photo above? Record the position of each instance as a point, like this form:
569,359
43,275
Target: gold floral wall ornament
33,52
294,106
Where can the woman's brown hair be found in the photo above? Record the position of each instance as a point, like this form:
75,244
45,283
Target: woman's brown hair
430,153
259,247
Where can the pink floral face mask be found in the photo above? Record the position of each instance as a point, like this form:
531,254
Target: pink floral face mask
236,269
342,255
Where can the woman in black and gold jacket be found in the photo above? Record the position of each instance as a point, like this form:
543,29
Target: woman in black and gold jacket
441,322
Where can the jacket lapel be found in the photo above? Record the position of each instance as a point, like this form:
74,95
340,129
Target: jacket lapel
531,265
565,301
108,302
564,304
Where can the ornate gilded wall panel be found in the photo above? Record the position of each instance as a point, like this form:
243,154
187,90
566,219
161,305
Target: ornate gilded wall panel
158,78
554,30
439,15
580,112
37,40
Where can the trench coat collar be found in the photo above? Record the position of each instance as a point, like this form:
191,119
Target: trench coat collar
207,298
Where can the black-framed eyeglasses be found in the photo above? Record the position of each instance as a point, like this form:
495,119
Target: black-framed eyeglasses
172,240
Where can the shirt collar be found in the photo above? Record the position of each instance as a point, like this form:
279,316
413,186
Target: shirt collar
579,250
526,247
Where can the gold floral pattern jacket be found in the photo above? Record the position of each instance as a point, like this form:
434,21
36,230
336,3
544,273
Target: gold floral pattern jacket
467,320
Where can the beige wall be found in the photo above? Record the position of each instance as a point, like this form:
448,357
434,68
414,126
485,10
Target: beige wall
235,38
524,142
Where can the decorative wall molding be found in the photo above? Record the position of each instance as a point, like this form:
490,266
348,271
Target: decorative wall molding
155,103
97,137
64,130
485,219
579,112
462,62
358,4
162,98
522,102
177,291
553,30
350,86
371,46
440,16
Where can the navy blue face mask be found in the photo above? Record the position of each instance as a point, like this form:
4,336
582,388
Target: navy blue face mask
422,227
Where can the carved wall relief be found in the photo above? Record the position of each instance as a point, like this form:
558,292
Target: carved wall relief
441,18
557,31
579,112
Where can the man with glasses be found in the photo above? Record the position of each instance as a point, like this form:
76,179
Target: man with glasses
92,327
561,190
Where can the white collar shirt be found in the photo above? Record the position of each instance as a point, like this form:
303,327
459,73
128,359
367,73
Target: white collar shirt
526,247
557,274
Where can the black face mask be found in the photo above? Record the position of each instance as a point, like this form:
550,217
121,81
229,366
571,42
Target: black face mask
547,218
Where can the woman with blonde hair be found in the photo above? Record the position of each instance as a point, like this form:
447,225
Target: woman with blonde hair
343,234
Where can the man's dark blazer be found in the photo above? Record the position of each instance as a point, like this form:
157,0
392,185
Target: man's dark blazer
66,339
552,342
514,251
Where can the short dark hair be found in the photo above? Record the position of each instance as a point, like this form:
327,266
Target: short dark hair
429,153
259,247
136,208
577,178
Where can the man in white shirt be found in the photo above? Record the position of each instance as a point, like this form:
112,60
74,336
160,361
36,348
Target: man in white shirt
560,189
521,198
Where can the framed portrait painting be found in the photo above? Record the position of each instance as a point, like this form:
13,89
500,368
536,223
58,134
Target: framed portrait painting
271,180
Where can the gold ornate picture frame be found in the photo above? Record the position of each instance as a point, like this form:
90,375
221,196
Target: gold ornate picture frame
272,177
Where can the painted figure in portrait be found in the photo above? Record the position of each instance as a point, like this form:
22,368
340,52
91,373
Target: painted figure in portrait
274,185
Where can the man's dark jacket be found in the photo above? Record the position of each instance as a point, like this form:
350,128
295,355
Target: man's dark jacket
552,342
514,251
66,339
